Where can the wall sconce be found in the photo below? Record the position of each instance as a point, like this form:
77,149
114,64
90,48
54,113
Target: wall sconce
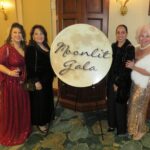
123,8
2,9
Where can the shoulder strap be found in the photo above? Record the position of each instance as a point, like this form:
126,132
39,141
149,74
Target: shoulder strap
35,60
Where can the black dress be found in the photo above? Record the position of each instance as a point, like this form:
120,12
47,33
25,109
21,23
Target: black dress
120,76
39,69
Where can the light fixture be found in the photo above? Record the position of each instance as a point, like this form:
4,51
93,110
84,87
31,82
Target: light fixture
2,9
123,8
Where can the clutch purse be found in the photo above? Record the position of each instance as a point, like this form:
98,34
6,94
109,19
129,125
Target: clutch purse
29,85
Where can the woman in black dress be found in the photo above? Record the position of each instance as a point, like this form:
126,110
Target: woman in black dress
119,81
40,71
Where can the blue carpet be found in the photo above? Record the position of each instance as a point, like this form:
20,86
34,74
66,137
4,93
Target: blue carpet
80,131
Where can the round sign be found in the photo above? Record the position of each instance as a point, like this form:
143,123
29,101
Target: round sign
81,55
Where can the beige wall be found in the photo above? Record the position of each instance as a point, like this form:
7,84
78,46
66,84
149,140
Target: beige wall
137,15
30,12
37,12
5,24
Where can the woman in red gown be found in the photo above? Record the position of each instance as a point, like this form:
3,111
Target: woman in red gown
14,100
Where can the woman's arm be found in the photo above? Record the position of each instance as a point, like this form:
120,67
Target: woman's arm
4,52
131,65
5,70
13,73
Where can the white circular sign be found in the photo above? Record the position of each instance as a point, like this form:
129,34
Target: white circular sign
81,55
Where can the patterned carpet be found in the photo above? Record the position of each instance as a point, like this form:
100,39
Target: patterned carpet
80,131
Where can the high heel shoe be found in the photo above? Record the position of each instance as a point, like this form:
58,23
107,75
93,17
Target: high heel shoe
139,136
43,129
110,129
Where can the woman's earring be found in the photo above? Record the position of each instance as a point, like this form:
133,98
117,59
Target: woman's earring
11,41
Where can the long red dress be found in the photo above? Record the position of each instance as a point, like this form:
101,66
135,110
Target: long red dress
14,101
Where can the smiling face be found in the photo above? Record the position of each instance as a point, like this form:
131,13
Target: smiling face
38,36
144,37
16,35
121,34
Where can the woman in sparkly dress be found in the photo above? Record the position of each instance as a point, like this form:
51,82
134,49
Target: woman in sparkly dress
14,101
140,93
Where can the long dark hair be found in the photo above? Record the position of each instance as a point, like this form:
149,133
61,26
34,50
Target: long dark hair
20,27
42,29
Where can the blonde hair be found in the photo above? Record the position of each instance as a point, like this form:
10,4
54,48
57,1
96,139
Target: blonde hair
144,28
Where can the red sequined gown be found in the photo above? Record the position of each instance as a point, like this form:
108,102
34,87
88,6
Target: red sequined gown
14,101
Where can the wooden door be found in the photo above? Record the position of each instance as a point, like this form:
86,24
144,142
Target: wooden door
93,12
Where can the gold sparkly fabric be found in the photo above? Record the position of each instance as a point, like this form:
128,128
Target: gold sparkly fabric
138,105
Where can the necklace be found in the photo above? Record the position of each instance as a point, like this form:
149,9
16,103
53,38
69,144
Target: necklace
142,48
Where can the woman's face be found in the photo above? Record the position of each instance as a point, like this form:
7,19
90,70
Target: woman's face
121,34
16,35
144,38
38,36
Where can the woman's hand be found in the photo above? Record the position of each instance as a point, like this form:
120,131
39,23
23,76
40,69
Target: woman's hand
38,86
14,73
115,87
130,64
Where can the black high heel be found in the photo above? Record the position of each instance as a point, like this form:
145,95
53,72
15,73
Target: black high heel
110,129
42,130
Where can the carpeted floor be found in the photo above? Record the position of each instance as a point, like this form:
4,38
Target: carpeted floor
80,131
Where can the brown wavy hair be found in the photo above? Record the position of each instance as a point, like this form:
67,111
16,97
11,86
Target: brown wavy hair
20,27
